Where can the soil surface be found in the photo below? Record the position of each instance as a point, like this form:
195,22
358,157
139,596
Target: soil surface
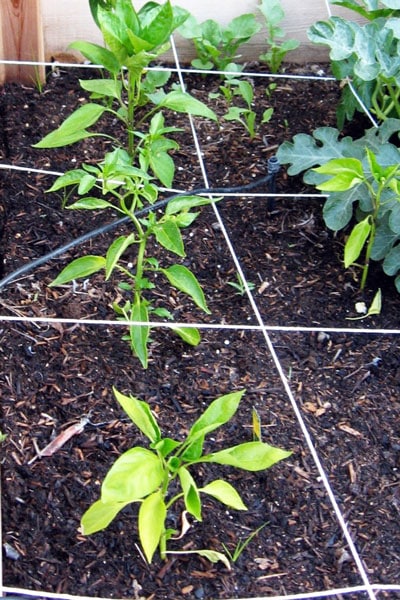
346,385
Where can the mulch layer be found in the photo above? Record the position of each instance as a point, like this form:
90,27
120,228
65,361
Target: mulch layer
346,385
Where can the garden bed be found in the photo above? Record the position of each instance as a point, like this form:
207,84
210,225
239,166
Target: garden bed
346,384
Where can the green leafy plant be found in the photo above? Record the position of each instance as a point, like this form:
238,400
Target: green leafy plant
217,46
363,180
124,180
159,478
367,56
245,115
277,48
371,9
241,545
239,285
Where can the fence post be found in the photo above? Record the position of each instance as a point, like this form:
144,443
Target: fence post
21,38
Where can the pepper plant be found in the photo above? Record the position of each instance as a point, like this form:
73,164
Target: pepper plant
125,180
367,56
362,178
159,478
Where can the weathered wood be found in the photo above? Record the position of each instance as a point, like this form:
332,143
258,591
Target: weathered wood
21,39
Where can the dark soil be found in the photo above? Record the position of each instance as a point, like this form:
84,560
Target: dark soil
346,385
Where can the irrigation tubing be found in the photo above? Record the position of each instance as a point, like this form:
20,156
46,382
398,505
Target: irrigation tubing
273,167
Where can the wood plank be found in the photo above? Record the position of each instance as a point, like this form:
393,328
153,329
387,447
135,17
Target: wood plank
21,39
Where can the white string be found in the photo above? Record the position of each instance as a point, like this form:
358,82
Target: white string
172,70
205,326
321,594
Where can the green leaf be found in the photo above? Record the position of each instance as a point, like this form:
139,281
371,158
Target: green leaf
116,250
346,173
190,335
140,414
78,268
152,514
218,413
374,309
250,456
69,178
137,473
73,128
98,55
162,166
169,236
139,334
176,205
211,555
183,279
90,204
391,264
99,515
165,446
190,493
185,103
356,241
225,493
102,87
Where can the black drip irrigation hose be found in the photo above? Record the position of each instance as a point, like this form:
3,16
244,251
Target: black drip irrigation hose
273,168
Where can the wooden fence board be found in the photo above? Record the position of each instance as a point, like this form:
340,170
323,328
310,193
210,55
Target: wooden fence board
21,39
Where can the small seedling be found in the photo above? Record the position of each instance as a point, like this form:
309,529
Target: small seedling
276,47
159,478
241,545
240,286
246,115
217,46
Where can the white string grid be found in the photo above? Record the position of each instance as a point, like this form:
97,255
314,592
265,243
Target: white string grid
368,588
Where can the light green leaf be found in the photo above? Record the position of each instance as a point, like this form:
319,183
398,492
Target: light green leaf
137,473
69,178
73,128
190,335
163,167
99,515
139,334
98,55
374,309
225,493
102,87
211,555
185,103
190,493
78,268
218,413
250,456
116,250
346,172
183,279
140,414
176,205
169,236
152,514
90,204
356,241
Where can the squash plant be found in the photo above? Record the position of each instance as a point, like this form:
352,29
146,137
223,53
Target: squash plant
125,180
159,477
367,56
362,178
